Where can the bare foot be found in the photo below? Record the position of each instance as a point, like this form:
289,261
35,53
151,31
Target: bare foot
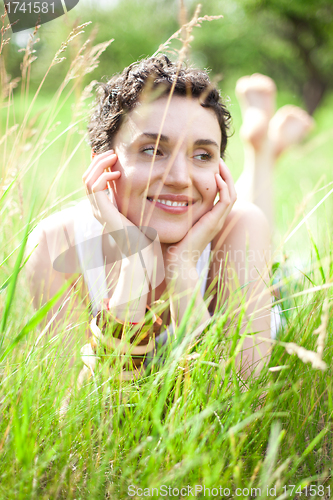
257,91
289,126
256,96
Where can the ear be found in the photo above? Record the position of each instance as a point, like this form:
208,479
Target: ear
93,154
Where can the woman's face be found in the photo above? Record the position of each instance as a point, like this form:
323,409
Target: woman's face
182,172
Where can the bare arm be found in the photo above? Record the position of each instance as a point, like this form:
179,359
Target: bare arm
245,246
44,282
182,281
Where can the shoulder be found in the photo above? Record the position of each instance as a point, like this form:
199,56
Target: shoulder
246,212
244,219
58,220
53,224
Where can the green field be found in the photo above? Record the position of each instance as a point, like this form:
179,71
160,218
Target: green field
192,422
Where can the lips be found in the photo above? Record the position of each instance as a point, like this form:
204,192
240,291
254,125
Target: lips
174,198
172,203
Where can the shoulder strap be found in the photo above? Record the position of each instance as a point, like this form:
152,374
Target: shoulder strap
88,240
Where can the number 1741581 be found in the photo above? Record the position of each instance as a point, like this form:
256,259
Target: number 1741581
29,7
308,491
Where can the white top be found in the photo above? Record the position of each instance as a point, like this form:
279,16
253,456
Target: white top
87,229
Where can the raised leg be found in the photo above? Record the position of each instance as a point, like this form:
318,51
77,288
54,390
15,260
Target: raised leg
289,126
266,135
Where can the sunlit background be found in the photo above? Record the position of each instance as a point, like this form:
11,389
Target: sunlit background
195,421
291,42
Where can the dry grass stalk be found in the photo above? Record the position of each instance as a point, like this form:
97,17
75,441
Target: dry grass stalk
28,59
303,354
6,84
25,67
3,30
181,57
321,331
277,368
306,356
87,59
8,133
16,150
187,29
73,34
82,65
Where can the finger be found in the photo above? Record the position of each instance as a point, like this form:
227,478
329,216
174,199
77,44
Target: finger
210,224
97,170
225,197
103,179
104,211
114,222
227,177
99,165
214,219
95,161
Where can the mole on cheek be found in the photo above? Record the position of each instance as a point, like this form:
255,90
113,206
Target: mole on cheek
207,189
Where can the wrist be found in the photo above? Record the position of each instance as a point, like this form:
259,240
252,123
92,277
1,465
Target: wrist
181,272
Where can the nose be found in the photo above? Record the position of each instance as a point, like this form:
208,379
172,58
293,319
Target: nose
179,172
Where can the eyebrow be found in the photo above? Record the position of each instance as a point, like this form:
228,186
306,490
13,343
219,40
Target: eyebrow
164,138
206,142
155,137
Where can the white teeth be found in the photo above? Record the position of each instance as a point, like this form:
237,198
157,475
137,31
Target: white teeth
171,203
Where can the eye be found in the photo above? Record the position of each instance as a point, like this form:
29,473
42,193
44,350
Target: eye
203,156
149,150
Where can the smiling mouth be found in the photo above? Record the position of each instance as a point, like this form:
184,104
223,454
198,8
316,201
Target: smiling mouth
170,203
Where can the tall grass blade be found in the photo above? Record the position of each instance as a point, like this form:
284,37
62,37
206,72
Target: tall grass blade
36,319
12,285
7,191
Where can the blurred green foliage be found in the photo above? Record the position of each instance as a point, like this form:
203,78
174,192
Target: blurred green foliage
290,41
306,28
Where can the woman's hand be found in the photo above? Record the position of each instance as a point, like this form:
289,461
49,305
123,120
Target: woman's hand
136,269
178,271
209,225
128,237
96,180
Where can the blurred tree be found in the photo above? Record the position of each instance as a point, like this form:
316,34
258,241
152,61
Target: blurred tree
137,27
289,40
307,27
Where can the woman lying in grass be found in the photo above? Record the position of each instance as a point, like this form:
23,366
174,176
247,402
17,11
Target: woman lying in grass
158,136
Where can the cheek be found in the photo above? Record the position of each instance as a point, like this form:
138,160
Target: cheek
208,188
129,188
128,180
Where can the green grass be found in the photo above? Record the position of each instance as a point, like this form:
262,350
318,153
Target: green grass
192,422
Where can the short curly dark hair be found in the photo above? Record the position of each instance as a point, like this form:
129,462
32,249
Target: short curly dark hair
121,94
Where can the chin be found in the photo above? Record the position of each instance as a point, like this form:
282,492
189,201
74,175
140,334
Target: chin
170,238
169,241
168,232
